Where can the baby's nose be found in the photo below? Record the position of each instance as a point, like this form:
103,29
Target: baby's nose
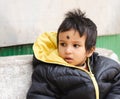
68,50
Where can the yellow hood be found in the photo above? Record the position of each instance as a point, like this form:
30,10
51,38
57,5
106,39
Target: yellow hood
45,49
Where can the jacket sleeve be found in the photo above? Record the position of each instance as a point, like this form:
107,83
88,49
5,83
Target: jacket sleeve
40,88
115,90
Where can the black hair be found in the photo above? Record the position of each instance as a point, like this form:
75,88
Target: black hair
77,20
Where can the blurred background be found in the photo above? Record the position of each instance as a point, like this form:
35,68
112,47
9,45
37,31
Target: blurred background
21,21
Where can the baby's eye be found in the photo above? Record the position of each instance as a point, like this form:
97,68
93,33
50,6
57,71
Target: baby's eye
63,44
76,45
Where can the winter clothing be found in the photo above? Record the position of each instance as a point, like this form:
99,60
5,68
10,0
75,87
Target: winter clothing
53,78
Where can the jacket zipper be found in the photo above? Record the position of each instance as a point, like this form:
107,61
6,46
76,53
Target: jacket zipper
92,78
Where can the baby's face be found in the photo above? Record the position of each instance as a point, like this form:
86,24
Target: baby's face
71,47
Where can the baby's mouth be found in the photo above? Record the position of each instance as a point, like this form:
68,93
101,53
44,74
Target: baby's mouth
68,60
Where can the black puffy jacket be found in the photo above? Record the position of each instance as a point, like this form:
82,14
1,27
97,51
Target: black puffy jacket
53,80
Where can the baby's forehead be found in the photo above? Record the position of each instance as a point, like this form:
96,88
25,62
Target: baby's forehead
71,36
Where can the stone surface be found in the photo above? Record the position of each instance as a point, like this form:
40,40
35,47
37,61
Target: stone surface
15,76
107,53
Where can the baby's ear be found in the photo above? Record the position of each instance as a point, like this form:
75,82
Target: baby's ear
90,52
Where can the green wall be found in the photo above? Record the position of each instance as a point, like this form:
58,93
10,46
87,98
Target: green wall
16,50
110,42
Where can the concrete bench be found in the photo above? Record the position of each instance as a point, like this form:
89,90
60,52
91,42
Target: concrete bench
15,74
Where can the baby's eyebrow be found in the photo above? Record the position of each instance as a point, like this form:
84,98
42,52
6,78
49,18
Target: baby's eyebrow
77,42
